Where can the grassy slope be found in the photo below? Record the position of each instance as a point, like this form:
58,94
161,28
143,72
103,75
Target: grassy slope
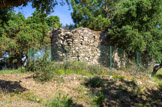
9,72
121,89
158,77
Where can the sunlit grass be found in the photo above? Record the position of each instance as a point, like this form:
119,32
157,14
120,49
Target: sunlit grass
14,71
96,79
158,77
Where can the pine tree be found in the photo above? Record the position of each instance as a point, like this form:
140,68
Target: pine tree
136,26
91,13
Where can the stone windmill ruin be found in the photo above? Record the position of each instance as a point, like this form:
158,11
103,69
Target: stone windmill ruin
85,45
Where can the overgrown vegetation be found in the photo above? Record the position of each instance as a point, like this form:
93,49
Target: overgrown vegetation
120,89
45,70
18,34
91,14
158,77
60,101
134,25
121,92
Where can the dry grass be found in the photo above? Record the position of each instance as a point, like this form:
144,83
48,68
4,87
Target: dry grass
36,93
21,90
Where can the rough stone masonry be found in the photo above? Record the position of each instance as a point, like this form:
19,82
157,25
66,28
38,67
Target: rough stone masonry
81,44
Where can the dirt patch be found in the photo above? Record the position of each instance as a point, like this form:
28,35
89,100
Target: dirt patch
20,90
123,93
63,84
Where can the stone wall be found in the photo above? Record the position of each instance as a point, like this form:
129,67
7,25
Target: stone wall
82,44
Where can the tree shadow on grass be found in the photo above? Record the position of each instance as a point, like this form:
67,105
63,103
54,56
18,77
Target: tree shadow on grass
11,86
123,93
76,105
159,76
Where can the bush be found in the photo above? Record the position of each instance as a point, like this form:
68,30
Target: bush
22,69
43,69
95,82
60,101
84,68
30,67
99,100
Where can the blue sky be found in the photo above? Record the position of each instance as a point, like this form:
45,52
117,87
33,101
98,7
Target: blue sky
62,12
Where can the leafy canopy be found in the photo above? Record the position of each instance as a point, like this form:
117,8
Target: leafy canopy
20,34
90,13
134,27
46,6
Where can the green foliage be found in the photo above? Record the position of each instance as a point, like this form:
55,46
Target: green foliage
81,68
7,71
4,17
22,70
69,27
134,27
44,73
47,6
19,34
91,14
85,69
44,6
53,22
3,43
95,82
43,69
60,101
116,77
99,100
158,77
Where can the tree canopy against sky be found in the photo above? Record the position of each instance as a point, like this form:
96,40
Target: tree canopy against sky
130,24
45,6
19,34
91,13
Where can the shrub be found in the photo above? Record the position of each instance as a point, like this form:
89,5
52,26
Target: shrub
60,101
95,82
22,70
84,68
99,100
43,69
